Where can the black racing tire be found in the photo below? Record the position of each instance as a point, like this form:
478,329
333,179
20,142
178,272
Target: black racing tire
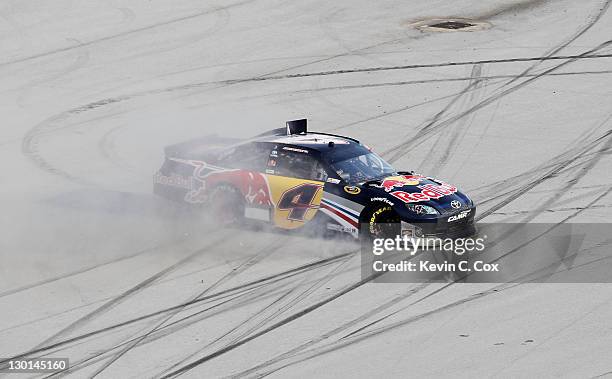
382,222
227,205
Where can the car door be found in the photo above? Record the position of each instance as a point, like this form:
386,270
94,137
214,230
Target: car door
295,178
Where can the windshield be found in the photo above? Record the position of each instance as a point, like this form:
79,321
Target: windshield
362,168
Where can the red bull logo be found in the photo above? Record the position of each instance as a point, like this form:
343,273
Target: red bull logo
428,192
400,181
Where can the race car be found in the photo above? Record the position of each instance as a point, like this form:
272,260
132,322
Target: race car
292,178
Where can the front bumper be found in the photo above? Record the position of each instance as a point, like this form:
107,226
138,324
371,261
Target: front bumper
458,224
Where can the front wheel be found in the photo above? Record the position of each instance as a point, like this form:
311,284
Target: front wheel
383,222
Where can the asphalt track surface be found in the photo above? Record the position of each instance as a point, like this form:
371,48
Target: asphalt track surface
95,268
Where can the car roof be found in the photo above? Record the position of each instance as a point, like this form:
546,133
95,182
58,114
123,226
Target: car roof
311,140
330,146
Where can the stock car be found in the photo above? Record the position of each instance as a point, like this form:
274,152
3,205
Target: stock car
292,178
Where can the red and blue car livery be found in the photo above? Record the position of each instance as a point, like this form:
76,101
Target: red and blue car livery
292,178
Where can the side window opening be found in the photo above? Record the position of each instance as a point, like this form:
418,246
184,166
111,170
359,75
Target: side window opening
298,165
251,156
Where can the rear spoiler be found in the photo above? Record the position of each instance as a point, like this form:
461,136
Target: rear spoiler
210,142
293,127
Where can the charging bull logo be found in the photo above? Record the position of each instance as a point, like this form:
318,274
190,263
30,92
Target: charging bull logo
257,191
252,185
400,181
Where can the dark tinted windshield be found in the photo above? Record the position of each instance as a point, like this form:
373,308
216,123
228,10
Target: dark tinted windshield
362,168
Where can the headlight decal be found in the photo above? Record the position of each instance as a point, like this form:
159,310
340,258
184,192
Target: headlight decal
422,209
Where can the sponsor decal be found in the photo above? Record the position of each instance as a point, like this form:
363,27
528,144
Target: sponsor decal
419,209
196,196
274,153
383,199
295,149
333,180
253,185
201,170
456,204
268,171
400,181
258,191
262,214
428,192
353,190
340,228
375,216
323,141
174,180
459,216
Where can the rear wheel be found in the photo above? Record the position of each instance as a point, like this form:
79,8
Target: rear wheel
383,222
227,204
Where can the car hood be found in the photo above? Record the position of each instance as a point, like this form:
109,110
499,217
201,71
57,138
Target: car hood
418,189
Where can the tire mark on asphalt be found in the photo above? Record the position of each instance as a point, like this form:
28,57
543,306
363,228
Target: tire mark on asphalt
564,209
81,306
107,148
355,336
222,19
80,61
514,8
30,144
426,81
609,373
31,140
451,138
254,259
408,67
87,269
499,188
262,313
232,303
293,352
541,342
399,150
129,293
513,250
243,287
249,297
285,321
520,191
401,109
125,33
474,147
579,174
592,21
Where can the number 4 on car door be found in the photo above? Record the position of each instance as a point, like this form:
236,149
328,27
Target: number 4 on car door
298,200
295,194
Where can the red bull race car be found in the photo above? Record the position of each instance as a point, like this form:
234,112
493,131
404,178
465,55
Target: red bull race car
292,178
